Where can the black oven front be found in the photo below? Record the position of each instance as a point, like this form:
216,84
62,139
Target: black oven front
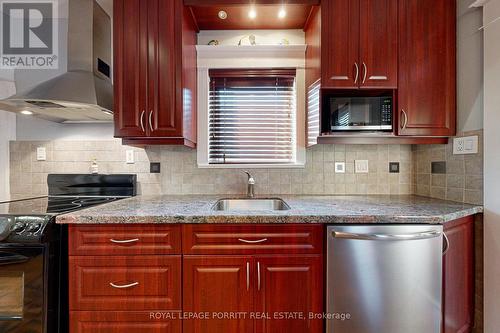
30,292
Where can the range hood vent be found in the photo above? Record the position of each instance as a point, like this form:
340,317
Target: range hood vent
85,92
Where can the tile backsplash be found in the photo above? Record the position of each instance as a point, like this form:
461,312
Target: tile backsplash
180,174
462,180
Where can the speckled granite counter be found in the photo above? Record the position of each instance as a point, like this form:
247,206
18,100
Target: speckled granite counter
304,209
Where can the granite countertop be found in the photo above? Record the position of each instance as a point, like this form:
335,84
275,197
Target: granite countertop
304,209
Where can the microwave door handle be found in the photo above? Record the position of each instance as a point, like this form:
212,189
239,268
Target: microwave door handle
7,258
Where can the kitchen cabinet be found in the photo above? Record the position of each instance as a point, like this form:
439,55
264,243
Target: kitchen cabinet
218,284
119,275
155,72
359,43
427,68
265,278
121,322
458,276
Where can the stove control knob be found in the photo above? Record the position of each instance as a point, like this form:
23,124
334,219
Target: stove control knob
18,227
34,227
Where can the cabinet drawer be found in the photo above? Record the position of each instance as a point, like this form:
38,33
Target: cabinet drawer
125,283
252,239
124,239
120,322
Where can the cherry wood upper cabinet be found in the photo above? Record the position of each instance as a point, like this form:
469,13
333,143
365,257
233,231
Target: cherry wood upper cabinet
155,53
218,284
289,284
378,46
359,43
427,68
340,43
131,56
458,277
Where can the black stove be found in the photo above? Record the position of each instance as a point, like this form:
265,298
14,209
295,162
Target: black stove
33,249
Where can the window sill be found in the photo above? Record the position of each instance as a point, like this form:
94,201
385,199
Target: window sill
252,166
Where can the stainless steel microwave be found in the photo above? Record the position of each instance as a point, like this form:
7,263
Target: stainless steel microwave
370,113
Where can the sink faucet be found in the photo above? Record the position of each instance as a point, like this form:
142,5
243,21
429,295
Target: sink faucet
250,183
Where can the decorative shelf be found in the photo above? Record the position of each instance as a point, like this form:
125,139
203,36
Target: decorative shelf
381,139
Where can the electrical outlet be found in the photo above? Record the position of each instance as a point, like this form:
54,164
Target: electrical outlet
129,157
339,167
465,145
361,166
41,154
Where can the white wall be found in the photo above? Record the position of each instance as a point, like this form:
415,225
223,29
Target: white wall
469,67
491,166
7,133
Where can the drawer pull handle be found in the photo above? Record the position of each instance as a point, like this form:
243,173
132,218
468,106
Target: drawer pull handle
125,241
252,241
124,286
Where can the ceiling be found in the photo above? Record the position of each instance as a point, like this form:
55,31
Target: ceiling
238,18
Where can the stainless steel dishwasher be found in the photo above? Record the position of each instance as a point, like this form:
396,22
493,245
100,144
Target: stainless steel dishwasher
384,278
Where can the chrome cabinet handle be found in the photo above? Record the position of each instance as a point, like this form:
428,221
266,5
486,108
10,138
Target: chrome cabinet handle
248,275
405,119
125,241
142,120
123,286
151,120
258,275
386,237
357,72
252,241
446,244
365,70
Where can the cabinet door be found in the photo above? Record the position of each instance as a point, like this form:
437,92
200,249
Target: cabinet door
130,61
378,47
340,44
289,284
427,67
218,284
165,53
458,277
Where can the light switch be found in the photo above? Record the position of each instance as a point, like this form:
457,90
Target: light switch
465,145
361,166
41,154
339,167
129,157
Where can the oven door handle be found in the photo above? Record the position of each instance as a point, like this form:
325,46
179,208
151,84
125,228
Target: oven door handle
7,258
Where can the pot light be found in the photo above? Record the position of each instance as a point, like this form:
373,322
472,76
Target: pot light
27,112
282,13
222,15
252,13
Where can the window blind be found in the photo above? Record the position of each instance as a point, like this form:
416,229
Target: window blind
252,116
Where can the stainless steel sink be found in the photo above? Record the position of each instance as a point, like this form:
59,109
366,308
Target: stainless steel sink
250,204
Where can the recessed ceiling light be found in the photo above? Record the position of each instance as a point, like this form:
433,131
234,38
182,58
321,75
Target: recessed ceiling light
282,13
27,112
252,13
222,15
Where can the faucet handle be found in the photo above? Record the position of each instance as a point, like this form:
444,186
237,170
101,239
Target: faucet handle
251,180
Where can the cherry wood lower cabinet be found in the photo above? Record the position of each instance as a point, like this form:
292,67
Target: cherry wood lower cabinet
263,275
121,322
458,277
265,294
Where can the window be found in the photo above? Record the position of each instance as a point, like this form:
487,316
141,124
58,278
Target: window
252,116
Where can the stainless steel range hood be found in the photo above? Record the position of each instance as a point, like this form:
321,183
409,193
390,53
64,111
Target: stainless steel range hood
85,92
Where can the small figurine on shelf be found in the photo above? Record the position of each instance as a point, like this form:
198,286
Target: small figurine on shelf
247,40
213,42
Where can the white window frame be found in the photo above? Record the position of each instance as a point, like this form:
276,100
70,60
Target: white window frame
245,57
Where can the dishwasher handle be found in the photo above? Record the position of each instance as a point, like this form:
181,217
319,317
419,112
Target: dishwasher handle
387,237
